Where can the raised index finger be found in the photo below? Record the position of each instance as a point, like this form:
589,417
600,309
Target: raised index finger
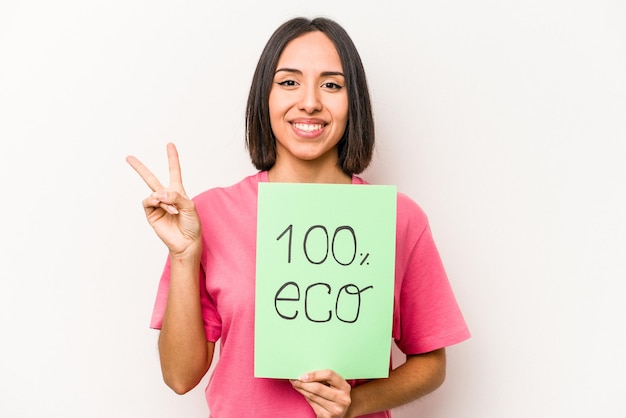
144,173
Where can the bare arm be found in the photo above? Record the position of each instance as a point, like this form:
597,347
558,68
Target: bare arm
331,396
184,352
418,376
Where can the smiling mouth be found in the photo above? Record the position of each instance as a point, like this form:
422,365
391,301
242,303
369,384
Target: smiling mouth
308,127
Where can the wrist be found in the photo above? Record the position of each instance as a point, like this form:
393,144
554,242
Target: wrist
191,253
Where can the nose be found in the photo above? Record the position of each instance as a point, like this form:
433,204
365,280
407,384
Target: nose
310,100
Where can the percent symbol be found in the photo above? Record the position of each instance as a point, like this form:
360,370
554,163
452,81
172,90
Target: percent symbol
365,258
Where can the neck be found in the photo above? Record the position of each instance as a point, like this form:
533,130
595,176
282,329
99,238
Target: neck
308,172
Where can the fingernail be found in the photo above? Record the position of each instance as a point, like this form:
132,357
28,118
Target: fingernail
304,377
171,209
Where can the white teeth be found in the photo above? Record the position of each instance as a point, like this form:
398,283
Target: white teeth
308,127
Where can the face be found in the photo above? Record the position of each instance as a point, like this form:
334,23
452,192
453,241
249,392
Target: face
308,101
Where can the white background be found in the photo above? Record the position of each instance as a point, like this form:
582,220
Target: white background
503,119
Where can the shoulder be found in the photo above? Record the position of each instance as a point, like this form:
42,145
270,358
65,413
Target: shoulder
411,220
410,215
240,191
409,207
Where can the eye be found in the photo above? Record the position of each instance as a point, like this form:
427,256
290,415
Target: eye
286,83
332,86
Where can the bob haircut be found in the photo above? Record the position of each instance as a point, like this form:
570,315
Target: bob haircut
356,146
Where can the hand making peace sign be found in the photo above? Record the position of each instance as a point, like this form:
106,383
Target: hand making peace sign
168,209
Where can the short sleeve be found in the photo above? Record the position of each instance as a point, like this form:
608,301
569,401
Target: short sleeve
427,315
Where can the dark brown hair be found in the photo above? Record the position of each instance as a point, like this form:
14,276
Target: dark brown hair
357,143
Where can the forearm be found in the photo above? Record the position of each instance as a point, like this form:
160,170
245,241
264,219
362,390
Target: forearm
183,349
418,376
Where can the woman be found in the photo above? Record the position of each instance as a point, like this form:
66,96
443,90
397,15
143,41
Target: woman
308,120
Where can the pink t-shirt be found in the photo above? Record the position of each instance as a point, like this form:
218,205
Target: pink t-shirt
426,315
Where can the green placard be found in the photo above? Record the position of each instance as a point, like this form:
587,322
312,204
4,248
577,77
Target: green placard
325,267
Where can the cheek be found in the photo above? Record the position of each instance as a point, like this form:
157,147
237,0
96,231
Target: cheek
274,117
276,107
340,107
341,111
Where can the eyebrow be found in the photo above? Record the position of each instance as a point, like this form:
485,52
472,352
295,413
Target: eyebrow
323,74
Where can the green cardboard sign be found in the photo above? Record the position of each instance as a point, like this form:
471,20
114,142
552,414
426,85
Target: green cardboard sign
325,267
